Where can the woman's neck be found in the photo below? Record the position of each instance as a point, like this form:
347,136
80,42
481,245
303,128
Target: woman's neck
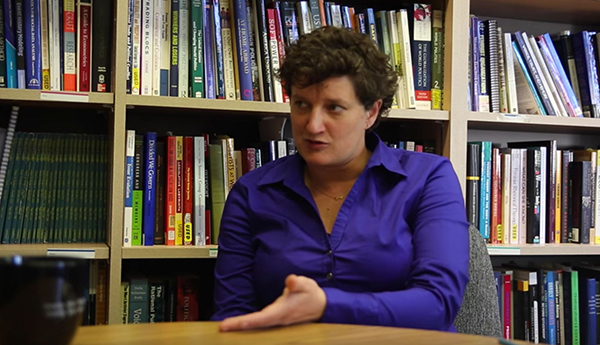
348,173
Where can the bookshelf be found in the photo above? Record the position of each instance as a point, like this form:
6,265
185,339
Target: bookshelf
459,125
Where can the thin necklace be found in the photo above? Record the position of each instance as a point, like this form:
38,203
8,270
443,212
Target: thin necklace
336,198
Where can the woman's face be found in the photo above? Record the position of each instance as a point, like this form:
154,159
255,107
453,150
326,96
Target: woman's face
329,122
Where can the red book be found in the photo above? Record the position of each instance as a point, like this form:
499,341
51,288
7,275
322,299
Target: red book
170,188
84,45
248,159
188,190
188,286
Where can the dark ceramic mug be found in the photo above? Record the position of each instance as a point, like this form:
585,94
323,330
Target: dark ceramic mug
42,299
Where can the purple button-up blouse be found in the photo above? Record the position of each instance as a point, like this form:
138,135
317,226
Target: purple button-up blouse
397,255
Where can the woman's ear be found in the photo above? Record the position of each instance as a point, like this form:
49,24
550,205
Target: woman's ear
372,113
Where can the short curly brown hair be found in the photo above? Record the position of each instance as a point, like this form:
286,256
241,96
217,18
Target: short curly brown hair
334,52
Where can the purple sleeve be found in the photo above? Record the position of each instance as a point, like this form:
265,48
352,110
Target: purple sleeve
234,285
439,273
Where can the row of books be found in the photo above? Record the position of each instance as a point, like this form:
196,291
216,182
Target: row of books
231,49
549,303
532,192
521,74
55,189
56,45
160,298
96,290
176,186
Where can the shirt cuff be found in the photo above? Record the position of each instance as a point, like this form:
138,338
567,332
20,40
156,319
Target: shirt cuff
342,308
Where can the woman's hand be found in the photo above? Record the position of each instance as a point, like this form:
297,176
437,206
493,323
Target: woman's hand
302,301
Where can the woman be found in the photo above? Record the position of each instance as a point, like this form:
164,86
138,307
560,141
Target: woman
348,230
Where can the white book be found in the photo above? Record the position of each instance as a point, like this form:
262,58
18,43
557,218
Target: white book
227,42
54,31
526,100
553,94
543,191
128,211
199,192
184,43
407,65
336,16
8,139
147,47
136,47
165,47
509,71
156,45
44,19
305,17
523,199
537,67
401,93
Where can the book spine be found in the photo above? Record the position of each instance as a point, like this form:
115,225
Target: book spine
147,42
437,63
199,213
473,180
138,191
485,189
209,51
188,180
69,50
20,40
502,76
491,54
149,190
3,63
128,212
274,55
207,191
406,56
484,96
254,59
262,35
10,44
170,191
174,71
197,49
184,42
165,47
243,49
136,51
45,46
520,66
218,50
33,54
129,75
160,182
475,70
84,45
585,58
227,44
421,44
179,191
157,40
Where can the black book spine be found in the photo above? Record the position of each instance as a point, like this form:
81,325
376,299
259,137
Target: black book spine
101,46
473,182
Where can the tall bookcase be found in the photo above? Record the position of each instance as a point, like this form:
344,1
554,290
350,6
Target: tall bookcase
460,125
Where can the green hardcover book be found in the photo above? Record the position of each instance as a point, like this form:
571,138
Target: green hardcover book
9,188
59,203
575,307
93,208
138,191
31,201
437,60
49,189
79,234
383,35
71,187
23,189
104,180
217,188
85,191
197,40
40,218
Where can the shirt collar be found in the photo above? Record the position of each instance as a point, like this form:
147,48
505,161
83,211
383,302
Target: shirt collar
290,171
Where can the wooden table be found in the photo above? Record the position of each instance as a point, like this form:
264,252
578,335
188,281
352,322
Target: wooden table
206,333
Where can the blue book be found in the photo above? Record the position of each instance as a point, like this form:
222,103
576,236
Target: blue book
536,76
585,63
475,69
243,48
551,305
33,44
485,189
220,71
10,45
587,307
209,60
20,43
536,96
546,43
149,189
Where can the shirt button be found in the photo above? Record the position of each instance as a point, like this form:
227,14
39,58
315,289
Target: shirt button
329,276
329,252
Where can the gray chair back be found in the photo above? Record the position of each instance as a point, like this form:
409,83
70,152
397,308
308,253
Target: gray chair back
479,313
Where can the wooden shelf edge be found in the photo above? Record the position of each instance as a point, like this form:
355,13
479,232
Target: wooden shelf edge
281,109
56,96
86,250
538,120
543,249
412,114
169,252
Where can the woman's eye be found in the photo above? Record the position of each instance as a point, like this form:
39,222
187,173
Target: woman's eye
335,108
300,104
